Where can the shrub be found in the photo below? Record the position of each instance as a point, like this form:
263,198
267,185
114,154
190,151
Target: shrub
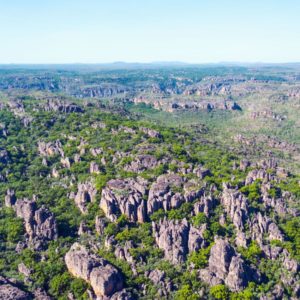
219,291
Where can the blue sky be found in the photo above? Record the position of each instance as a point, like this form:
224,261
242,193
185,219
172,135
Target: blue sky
90,31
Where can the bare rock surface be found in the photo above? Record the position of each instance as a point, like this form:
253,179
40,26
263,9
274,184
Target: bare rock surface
125,196
177,238
40,224
50,148
86,193
226,266
104,278
9,291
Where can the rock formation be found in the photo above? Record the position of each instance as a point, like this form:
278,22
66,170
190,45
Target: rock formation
103,277
86,193
126,197
225,266
177,239
40,224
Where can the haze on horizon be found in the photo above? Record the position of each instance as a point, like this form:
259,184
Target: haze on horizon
192,31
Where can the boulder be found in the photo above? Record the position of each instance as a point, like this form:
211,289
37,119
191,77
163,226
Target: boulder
104,278
94,168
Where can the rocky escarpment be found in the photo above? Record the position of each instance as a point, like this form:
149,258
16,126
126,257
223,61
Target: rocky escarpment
105,279
100,91
174,105
62,106
40,225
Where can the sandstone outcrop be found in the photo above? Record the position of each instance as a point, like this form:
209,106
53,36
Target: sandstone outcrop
9,291
225,266
142,163
161,195
62,106
236,206
40,224
50,148
150,132
86,193
103,277
177,239
126,197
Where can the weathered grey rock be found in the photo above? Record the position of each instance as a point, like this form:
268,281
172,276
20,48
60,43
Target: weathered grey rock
244,164
9,291
161,195
289,263
86,193
192,189
196,240
124,252
40,224
172,237
225,266
66,163
204,205
55,173
126,197
10,198
103,277
94,168
262,225
220,258
210,278
98,125
99,225
24,270
201,172
238,274
122,295
160,280
40,294
150,132
62,106
77,158
50,148
96,151
241,239
83,228
142,163
236,206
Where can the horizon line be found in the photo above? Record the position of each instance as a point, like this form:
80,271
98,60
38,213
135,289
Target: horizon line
151,63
